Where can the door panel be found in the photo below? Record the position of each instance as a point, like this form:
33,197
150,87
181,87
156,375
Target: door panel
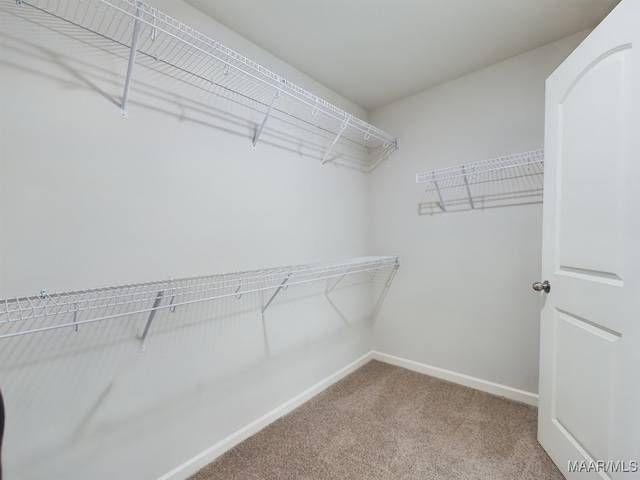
589,394
584,366
591,187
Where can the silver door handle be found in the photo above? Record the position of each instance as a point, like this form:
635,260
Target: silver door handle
542,286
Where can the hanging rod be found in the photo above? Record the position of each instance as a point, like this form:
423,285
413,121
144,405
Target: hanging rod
467,175
60,310
147,31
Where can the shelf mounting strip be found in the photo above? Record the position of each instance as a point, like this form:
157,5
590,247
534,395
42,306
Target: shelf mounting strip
50,311
145,30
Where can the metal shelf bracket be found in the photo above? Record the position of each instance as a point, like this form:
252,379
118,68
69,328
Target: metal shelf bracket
276,95
280,287
466,184
75,317
435,183
152,314
132,60
326,294
343,127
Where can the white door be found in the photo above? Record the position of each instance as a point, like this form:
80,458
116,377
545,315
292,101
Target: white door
589,395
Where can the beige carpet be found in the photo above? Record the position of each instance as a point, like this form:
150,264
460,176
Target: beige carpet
385,422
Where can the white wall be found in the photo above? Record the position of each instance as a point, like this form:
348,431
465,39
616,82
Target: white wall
199,184
462,300
89,199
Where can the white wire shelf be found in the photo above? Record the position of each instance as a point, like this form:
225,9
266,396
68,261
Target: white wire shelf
152,33
472,178
71,309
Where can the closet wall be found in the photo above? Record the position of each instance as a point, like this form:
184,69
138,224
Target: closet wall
89,199
186,151
462,305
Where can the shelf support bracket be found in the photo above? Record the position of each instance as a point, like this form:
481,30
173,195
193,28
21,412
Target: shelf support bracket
75,316
336,284
343,127
280,287
435,183
132,61
466,184
383,294
276,95
152,314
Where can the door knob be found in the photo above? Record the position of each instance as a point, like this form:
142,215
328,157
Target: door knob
542,286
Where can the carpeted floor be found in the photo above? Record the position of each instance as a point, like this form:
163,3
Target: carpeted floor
386,422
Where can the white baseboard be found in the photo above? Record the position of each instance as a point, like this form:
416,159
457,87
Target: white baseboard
460,378
194,464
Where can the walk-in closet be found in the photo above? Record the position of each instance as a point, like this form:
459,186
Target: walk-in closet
343,239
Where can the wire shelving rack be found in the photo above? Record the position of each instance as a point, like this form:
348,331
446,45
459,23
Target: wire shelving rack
465,177
50,311
145,30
